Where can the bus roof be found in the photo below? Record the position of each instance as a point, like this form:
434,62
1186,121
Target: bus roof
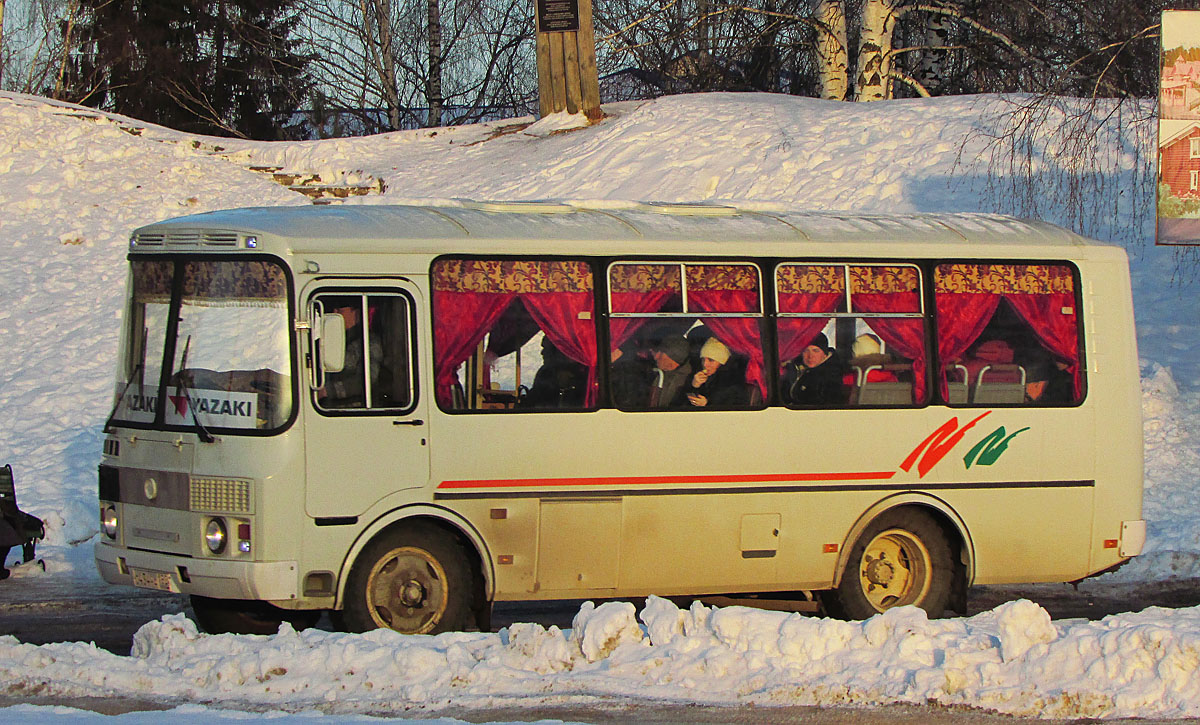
426,228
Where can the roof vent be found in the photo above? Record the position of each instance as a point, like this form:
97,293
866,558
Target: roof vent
525,207
678,209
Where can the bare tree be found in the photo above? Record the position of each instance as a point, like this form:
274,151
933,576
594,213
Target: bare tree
32,48
404,63
2,60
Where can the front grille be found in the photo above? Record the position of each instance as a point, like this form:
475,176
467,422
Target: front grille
182,239
221,239
186,239
220,495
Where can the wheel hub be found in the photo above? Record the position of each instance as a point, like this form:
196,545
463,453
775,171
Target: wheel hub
880,572
412,593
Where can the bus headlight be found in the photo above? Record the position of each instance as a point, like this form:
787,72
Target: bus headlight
215,535
108,522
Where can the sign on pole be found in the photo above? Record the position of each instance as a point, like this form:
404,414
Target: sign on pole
1179,129
566,58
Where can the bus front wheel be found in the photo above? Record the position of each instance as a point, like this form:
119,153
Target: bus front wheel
901,558
415,580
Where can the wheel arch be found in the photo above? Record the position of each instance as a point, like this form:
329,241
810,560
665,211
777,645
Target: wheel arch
444,519
956,531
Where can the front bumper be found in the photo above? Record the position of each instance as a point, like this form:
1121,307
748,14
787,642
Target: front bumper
217,578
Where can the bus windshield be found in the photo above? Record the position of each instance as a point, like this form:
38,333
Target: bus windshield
224,362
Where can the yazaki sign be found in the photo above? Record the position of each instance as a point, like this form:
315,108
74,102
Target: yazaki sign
1179,129
216,408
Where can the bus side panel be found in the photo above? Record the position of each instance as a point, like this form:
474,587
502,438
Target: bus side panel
1114,391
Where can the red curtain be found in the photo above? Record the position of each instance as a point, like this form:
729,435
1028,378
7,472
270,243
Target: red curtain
961,318
461,321
1053,319
741,334
620,329
906,335
567,320
796,332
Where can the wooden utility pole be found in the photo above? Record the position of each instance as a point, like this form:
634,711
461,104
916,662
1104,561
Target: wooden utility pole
566,58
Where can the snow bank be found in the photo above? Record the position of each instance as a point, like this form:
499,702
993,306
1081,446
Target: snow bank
1012,659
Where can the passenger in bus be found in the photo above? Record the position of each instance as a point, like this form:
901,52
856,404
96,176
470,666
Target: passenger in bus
559,383
868,352
1046,378
630,375
815,377
347,388
668,387
717,384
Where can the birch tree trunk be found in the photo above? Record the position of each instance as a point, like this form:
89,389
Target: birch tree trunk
872,74
433,91
934,59
832,50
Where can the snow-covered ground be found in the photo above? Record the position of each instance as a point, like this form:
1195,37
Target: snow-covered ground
73,183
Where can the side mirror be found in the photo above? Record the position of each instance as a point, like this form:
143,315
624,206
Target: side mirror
333,342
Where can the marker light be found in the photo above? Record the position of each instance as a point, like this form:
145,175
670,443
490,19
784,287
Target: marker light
251,242
215,535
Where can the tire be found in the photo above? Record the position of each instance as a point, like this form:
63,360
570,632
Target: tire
901,558
415,580
237,616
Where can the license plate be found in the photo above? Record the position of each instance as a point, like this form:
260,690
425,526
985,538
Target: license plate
146,579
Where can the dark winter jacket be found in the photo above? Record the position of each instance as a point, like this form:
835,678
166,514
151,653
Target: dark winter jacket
725,389
820,385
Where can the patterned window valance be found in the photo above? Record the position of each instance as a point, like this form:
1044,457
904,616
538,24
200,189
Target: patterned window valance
684,289
644,278
884,279
722,277
254,281
152,281
498,276
998,279
808,279
901,283
211,282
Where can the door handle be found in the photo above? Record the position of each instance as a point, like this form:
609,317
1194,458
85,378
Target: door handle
412,421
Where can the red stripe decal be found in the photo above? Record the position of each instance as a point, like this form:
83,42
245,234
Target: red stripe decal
653,480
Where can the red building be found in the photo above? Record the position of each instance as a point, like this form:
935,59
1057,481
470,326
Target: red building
1179,162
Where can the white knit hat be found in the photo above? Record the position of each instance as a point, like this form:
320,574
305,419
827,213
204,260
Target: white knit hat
714,349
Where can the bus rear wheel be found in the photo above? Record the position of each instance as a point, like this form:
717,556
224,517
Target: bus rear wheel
901,558
415,580
237,616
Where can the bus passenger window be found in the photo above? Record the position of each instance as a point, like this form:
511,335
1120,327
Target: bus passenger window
514,335
1008,334
685,336
850,335
377,340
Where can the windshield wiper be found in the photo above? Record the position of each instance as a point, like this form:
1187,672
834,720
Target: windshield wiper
181,385
117,405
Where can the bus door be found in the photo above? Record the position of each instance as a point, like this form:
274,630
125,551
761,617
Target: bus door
366,432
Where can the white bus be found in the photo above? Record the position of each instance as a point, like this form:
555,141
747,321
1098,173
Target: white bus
402,414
